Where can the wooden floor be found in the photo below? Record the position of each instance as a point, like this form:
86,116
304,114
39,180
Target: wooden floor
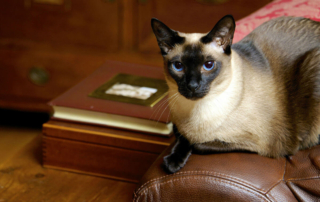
22,178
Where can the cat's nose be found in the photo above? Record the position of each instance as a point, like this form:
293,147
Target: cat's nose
193,86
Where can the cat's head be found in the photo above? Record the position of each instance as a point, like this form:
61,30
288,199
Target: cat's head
194,62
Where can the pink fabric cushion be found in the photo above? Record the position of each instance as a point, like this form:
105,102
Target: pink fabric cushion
302,8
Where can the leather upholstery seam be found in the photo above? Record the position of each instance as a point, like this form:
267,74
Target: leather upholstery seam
270,196
301,179
285,168
281,180
202,173
276,184
256,192
313,164
307,178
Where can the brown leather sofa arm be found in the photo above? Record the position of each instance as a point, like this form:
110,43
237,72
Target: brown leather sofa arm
235,177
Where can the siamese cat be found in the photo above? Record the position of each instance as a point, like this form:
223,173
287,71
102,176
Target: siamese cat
261,94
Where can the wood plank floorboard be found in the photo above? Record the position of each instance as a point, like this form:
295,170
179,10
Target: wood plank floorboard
22,177
12,139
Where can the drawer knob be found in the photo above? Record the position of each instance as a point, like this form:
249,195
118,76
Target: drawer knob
38,76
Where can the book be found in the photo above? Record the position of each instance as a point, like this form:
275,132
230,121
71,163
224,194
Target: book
91,102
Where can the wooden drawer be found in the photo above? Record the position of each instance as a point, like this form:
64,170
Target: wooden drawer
94,23
20,70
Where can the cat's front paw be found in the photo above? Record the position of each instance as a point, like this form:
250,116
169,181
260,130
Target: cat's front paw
173,163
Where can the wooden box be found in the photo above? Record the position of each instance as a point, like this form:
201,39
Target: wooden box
99,150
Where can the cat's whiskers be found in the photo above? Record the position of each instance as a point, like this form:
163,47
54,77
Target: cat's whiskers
171,108
160,106
157,109
172,97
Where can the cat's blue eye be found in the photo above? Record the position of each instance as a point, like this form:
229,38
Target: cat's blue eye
178,66
209,65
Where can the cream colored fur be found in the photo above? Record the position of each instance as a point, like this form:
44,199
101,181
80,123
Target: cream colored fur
238,105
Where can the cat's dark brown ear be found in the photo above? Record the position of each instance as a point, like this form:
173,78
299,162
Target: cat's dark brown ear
222,33
166,37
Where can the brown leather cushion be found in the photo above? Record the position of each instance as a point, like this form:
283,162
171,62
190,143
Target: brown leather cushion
235,177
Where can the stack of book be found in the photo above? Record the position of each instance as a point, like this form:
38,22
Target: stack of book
90,101
108,123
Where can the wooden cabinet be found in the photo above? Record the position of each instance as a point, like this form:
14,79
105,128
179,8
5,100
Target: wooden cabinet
47,46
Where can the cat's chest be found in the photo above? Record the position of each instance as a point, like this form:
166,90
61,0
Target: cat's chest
222,117
203,120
